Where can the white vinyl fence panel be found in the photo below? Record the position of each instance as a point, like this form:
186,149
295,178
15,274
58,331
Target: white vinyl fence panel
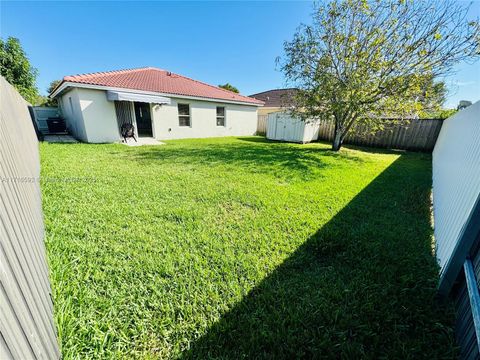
27,329
456,182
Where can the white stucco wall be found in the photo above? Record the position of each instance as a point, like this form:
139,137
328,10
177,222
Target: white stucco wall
240,120
99,116
94,119
70,105
267,110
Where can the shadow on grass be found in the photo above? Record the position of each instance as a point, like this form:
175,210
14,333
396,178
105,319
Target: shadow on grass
255,154
364,286
373,150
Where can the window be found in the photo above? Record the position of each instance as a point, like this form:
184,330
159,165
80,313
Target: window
184,114
220,116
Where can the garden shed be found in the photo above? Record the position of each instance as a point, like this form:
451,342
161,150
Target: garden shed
284,126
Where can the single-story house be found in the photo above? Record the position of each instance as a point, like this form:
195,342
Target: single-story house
275,100
158,103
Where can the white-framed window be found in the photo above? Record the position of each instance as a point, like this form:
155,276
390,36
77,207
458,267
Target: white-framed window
184,115
220,115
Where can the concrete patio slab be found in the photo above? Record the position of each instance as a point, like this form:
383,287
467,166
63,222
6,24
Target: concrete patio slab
59,139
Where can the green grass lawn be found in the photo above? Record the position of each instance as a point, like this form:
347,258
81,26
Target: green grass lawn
242,248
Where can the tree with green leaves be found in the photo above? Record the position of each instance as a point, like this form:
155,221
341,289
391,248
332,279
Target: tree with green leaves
229,87
51,87
432,96
361,61
17,70
45,100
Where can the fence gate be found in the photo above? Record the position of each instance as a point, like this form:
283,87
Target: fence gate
41,114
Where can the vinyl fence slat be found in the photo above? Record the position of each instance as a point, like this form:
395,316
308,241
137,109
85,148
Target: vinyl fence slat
27,329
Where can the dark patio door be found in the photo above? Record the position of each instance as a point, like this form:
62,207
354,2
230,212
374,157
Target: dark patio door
144,120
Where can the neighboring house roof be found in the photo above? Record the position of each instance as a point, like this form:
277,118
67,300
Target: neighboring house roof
276,97
151,79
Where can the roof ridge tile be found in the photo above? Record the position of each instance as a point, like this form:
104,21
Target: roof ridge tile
112,72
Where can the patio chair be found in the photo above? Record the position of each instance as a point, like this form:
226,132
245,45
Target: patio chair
127,131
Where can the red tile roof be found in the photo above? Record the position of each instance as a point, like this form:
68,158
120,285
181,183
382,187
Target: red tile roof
160,81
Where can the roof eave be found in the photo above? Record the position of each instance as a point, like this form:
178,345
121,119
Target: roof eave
65,84
59,89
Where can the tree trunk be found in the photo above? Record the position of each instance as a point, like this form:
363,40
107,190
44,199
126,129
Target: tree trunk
337,139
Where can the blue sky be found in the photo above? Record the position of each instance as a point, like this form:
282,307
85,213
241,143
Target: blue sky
215,42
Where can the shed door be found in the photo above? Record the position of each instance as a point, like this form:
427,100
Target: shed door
290,129
280,127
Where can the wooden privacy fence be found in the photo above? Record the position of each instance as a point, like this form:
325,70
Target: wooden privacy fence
27,330
262,124
417,134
